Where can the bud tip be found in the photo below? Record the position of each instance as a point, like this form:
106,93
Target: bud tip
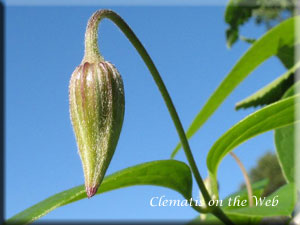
91,191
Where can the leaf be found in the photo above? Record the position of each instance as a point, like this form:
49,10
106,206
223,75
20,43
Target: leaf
285,143
286,55
271,92
172,174
286,196
278,114
231,37
210,219
247,40
262,49
257,187
292,90
237,13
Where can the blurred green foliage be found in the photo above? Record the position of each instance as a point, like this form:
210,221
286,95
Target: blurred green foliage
267,167
267,12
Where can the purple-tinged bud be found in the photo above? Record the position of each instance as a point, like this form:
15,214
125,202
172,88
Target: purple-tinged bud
96,96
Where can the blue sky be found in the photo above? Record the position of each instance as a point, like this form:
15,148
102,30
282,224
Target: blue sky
187,44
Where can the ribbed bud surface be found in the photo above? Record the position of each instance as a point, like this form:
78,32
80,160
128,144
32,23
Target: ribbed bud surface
96,95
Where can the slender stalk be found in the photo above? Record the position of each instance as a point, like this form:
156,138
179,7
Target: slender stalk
246,177
91,49
199,208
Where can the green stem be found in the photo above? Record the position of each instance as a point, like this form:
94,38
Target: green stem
199,208
91,51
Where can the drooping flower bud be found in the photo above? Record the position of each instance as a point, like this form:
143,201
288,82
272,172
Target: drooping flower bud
97,109
97,103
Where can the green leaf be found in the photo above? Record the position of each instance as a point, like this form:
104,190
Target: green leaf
265,47
278,114
237,13
285,143
231,37
292,90
271,92
248,40
210,219
286,196
286,55
257,187
172,174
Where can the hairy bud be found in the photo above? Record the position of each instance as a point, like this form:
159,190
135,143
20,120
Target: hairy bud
96,96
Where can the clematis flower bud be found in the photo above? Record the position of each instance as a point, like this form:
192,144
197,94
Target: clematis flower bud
96,96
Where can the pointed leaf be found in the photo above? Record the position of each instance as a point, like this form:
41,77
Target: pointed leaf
237,13
286,55
271,92
265,47
257,187
285,143
278,114
286,196
172,174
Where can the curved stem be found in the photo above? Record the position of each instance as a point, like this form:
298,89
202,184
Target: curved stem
246,177
91,50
